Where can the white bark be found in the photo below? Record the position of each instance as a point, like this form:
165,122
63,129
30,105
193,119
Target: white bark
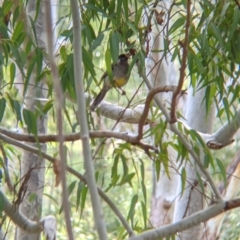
192,199
164,189
35,165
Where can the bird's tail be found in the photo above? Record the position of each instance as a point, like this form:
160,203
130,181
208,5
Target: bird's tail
99,98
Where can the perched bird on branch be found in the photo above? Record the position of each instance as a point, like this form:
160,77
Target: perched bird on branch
120,77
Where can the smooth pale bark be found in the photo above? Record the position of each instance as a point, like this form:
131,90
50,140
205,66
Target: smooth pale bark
31,205
215,225
164,189
192,199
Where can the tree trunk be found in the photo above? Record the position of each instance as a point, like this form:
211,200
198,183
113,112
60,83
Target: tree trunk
162,73
193,199
32,166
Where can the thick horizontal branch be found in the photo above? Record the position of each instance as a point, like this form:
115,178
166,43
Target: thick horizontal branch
224,136
188,222
43,138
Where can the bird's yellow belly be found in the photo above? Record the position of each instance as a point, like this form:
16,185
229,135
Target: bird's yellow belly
120,82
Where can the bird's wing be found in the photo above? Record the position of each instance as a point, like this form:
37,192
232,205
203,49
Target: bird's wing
105,74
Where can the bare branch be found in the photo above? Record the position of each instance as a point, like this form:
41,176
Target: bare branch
58,105
188,222
183,66
78,79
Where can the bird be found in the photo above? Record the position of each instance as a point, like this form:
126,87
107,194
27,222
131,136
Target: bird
119,79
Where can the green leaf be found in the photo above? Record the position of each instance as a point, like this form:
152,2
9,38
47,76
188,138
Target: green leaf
83,197
227,108
132,208
124,164
158,168
114,45
217,34
6,6
235,22
115,176
144,213
30,120
97,42
71,187
108,62
79,190
196,136
2,107
29,75
39,61
183,180
144,191
200,67
47,106
125,8
17,31
222,170
177,24
15,15
15,106
12,74
127,179
132,27
87,61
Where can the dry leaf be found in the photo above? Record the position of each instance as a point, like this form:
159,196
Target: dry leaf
57,171
159,17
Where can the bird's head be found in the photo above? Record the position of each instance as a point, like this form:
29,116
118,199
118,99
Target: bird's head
123,58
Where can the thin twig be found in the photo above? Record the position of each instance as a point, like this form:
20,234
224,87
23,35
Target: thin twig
183,66
59,105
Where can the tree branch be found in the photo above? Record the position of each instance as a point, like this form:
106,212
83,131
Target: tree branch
183,67
79,86
19,219
58,105
75,173
185,142
224,136
188,222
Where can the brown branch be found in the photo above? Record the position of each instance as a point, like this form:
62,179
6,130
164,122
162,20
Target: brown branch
43,138
150,96
176,93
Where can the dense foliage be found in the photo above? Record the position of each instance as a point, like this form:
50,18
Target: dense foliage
110,28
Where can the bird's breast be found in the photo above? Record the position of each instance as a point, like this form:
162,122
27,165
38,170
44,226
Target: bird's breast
120,82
